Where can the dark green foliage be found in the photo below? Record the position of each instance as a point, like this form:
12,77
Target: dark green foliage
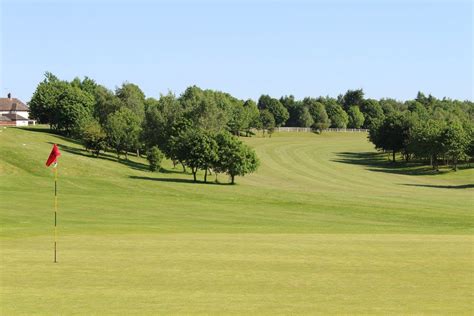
318,112
390,106
294,108
279,112
45,98
132,97
92,136
426,141
356,118
456,142
123,131
389,135
234,157
60,104
372,111
267,121
208,109
154,157
337,115
304,117
198,150
106,103
251,116
352,98
425,129
72,105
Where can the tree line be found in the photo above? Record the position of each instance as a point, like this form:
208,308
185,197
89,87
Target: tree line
429,130
204,120
191,130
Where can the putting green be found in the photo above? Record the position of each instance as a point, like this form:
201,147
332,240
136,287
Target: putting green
325,226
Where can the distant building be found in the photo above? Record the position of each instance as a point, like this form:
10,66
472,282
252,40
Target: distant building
13,112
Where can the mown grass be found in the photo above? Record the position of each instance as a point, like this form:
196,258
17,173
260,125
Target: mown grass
326,225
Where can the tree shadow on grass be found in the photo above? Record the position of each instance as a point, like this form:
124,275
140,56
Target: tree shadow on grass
174,171
378,162
103,156
462,186
177,180
51,132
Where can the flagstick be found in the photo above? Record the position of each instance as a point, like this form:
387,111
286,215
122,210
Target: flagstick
55,210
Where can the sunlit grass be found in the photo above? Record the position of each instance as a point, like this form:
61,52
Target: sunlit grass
325,226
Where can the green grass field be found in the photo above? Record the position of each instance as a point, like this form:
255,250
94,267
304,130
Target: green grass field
326,226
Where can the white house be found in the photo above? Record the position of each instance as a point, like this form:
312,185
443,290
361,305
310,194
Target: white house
13,112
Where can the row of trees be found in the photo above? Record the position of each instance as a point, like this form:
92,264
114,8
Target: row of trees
192,130
126,121
419,134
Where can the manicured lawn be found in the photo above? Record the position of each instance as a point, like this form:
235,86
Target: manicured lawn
326,225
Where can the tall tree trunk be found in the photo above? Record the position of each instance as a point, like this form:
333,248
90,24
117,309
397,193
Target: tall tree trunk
455,162
194,173
232,179
184,167
393,155
138,152
205,176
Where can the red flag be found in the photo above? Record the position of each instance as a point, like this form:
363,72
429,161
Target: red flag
53,156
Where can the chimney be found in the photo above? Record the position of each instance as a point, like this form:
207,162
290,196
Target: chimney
9,95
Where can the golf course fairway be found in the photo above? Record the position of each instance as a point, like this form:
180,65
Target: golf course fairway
325,226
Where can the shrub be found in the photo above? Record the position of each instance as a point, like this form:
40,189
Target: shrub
155,157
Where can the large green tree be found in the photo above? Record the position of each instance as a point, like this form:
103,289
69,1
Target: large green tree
337,115
352,98
279,112
132,97
207,109
123,131
373,112
267,121
456,142
199,150
45,98
356,118
252,116
93,136
389,135
425,141
318,113
71,106
234,157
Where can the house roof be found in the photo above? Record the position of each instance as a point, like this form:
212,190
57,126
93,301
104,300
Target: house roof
14,117
13,104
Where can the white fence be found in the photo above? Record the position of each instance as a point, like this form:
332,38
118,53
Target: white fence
308,129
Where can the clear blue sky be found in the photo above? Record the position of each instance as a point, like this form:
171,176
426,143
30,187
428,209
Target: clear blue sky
246,48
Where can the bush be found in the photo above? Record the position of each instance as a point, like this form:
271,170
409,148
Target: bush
155,157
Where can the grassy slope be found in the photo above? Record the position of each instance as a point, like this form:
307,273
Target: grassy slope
325,226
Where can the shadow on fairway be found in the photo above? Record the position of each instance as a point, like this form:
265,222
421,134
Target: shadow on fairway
51,132
378,162
103,156
462,186
177,180
174,171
